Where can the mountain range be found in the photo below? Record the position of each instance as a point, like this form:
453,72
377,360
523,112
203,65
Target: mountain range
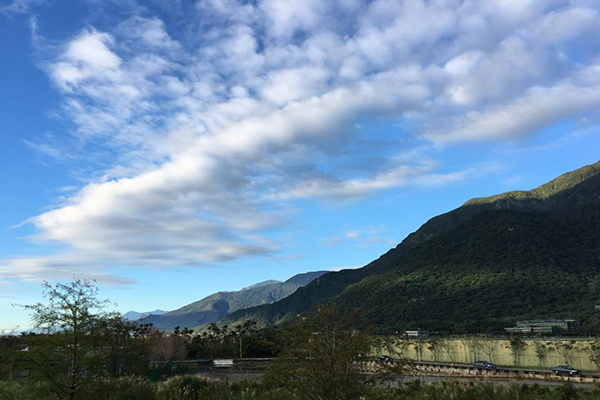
135,315
479,268
220,304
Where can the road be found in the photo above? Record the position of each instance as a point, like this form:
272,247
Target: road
254,369
507,369
483,381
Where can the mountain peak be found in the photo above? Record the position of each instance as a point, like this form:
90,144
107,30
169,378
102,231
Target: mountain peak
260,284
220,304
134,315
564,182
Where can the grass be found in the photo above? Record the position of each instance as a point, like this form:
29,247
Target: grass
200,388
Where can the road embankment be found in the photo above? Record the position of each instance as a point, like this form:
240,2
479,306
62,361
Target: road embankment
468,370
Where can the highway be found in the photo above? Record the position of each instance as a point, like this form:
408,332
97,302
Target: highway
249,368
499,369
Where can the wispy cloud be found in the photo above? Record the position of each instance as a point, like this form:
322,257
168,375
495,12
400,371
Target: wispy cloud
20,6
360,238
205,134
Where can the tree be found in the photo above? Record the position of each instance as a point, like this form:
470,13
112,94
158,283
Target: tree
243,330
594,350
433,345
262,342
488,347
78,341
320,355
475,348
540,351
9,345
564,348
173,347
516,345
241,340
214,342
448,348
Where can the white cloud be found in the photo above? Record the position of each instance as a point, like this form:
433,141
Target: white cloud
566,24
539,107
85,57
201,143
35,269
151,32
295,84
285,17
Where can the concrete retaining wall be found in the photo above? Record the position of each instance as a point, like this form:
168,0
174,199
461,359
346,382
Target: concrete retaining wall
432,369
529,353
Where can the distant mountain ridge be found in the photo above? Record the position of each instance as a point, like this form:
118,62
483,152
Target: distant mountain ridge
259,284
220,304
480,267
134,315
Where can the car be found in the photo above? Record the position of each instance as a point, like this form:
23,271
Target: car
484,365
384,358
565,370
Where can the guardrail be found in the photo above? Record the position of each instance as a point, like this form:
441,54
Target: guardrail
468,370
372,365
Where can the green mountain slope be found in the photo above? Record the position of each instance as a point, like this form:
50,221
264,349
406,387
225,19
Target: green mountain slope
478,268
220,304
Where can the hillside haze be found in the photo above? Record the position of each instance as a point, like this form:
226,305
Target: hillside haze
478,268
220,304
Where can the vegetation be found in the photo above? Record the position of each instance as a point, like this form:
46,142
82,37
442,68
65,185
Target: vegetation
78,342
83,352
240,341
199,388
320,355
477,269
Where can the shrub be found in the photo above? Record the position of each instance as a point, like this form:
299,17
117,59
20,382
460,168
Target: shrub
192,388
259,390
124,388
19,390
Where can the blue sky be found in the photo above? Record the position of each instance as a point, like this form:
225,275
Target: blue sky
171,149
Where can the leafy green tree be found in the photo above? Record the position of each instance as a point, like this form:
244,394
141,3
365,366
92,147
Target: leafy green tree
9,344
262,342
241,340
173,347
213,342
242,331
128,346
320,355
78,341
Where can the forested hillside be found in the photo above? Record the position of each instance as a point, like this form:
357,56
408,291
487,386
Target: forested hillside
478,268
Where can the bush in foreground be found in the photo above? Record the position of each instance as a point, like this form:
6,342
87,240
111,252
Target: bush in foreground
128,387
201,388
